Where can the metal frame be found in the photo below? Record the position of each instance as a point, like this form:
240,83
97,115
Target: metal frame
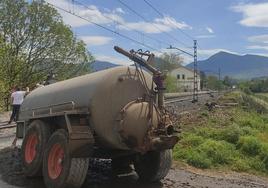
50,107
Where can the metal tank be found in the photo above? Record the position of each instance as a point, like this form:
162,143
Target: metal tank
103,94
117,113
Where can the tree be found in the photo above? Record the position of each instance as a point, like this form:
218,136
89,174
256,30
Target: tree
36,42
227,81
213,82
168,61
170,83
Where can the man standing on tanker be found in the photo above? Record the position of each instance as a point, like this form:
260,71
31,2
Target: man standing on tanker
17,98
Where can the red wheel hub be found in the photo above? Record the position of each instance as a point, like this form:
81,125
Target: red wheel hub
55,160
30,149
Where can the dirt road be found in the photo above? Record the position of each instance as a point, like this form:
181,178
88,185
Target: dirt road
100,176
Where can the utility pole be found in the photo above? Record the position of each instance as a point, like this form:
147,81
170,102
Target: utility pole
195,91
219,75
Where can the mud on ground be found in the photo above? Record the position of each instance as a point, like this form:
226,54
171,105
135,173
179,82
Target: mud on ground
100,176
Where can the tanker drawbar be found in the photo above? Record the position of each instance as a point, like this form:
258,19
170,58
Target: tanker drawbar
117,113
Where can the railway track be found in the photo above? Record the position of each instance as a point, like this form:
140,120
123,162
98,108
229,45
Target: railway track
5,125
183,97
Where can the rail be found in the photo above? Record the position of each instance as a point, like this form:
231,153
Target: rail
185,96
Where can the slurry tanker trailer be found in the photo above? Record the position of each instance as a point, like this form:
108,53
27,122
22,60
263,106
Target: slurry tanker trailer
116,114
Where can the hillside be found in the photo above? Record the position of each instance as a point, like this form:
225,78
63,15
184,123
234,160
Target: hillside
101,65
230,137
237,66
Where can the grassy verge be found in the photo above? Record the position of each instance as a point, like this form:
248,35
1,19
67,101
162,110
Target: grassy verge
233,138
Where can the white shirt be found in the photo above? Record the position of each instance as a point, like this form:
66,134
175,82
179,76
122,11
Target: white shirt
18,97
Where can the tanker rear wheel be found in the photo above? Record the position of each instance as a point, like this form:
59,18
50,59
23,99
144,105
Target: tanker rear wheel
33,147
122,165
154,165
59,169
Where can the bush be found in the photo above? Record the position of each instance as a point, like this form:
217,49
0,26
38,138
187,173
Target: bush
240,165
231,134
264,155
198,159
248,131
257,164
232,138
192,140
170,83
208,132
250,145
180,152
219,152
252,120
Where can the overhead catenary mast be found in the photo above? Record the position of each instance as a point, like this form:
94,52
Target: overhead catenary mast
195,90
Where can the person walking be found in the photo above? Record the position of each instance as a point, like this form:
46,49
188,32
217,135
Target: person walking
17,98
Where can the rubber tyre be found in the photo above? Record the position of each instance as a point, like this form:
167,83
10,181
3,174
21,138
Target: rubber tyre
153,166
74,170
42,132
121,165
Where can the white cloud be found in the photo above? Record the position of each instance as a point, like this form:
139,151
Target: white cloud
254,15
91,13
95,40
261,42
257,47
210,30
113,59
171,22
119,10
205,36
261,54
159,25
259,39
106,17
68,18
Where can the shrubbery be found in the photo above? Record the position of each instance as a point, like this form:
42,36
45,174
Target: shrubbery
218,152
249,145
240,143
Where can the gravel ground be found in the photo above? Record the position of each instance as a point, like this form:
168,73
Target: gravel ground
4,116
100,176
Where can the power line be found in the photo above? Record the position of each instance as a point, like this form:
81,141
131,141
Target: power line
181,50
162,15
120,23
105,28
146,20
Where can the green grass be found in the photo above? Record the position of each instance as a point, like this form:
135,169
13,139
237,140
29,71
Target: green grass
234,138
263,96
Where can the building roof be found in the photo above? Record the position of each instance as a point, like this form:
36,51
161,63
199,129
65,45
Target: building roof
186,68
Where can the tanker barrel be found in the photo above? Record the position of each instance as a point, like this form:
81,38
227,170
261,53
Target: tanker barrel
137,59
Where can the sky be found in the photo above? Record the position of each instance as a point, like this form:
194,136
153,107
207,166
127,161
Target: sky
235,26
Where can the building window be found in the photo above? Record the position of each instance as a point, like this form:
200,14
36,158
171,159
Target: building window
178,76
183,76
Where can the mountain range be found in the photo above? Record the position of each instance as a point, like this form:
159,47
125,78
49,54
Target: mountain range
236,66
101,65
228,64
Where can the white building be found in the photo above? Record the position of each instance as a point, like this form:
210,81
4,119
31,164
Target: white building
185,78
